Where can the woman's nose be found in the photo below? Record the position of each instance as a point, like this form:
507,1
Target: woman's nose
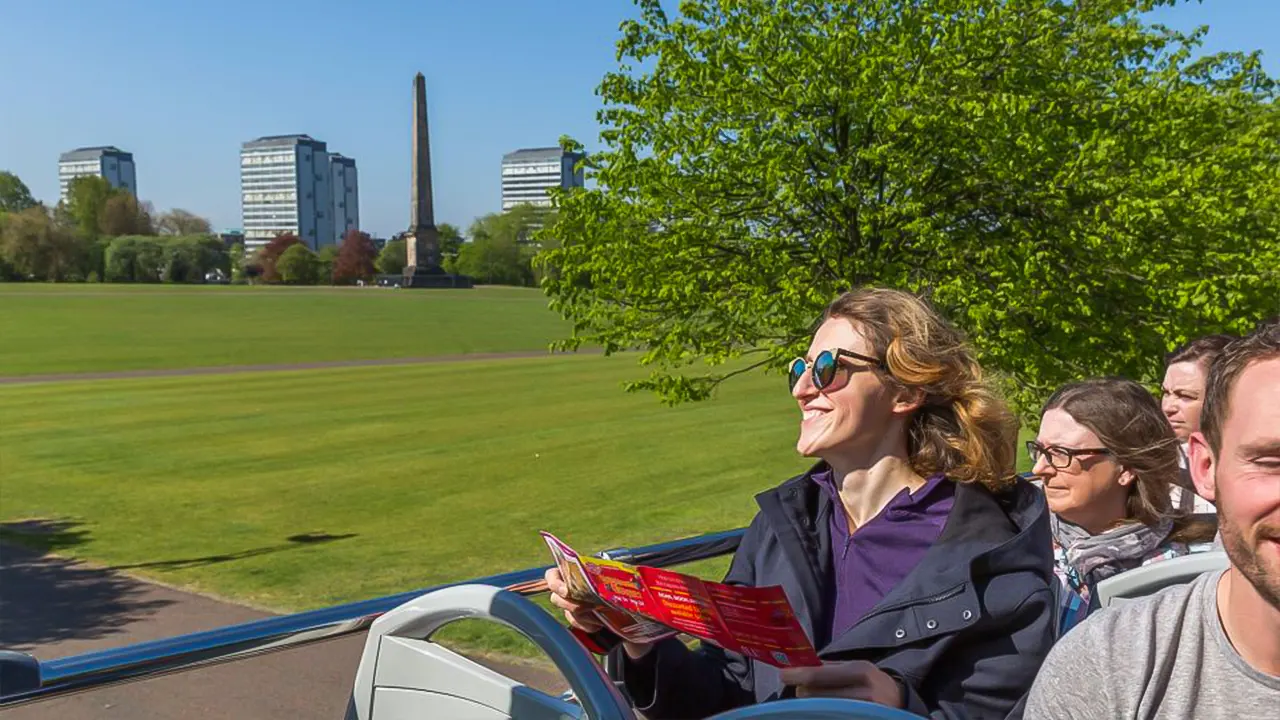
1042,467
804,389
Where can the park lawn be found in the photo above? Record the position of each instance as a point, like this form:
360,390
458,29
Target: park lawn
48,328
399,477
426,474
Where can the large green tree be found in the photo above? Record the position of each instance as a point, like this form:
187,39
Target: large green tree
297,265
1069,184
87,198
122,214
14,194
145,259
392,259
450,243
35,246
236,261
270,254
501,247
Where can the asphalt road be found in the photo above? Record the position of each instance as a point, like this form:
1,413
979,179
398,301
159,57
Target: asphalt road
53,607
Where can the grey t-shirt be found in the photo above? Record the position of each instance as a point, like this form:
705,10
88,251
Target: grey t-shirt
1161,657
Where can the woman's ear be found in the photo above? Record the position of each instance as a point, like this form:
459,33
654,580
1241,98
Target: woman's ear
1126,478
908,400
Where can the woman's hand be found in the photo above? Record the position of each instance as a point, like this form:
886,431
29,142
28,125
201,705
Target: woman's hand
583,616
855,680
579,615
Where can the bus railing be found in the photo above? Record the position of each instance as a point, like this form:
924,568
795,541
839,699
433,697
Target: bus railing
88,671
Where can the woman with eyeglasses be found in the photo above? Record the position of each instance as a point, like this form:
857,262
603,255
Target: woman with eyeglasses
1107,458
917,561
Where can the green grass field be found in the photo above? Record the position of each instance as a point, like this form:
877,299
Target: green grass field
295,490
96,328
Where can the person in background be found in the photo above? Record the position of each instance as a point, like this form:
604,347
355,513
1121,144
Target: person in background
1209,649
1106,459
917,561
1181,399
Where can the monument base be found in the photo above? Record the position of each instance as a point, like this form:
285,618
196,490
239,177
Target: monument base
426,280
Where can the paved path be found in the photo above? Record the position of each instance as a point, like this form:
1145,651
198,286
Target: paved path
281,367
53,607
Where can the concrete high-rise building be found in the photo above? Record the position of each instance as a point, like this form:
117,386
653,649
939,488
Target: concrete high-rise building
106,161
285,187
346,195
528,174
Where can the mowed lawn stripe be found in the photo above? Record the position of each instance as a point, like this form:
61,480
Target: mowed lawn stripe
69,329
441,472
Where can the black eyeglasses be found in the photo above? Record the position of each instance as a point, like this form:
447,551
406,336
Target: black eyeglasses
1060,457
826,368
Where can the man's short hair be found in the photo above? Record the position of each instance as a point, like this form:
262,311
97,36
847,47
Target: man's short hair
1202,349
1261,344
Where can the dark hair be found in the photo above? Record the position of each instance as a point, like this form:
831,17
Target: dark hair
964,429
1261,344
1202,349
1128,421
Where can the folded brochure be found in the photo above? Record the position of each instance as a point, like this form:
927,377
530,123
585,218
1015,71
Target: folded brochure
643,604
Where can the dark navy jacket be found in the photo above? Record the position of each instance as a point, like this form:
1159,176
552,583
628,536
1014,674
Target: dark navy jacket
964,633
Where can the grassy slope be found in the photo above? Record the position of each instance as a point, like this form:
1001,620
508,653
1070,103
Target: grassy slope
94,328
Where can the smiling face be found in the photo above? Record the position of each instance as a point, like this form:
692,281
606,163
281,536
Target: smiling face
845,425
1092,490
1243,477
1182,396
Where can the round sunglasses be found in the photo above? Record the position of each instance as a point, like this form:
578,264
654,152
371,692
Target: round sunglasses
825,369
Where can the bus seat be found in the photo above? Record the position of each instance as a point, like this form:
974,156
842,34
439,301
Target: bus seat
1150,579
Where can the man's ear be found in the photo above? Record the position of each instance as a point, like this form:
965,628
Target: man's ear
1201,463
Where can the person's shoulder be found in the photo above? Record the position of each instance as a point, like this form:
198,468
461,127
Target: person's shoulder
1134,628
1103,662
1156,609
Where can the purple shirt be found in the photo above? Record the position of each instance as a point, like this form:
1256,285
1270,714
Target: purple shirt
878,555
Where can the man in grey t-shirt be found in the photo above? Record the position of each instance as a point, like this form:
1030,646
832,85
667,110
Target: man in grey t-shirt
1210,649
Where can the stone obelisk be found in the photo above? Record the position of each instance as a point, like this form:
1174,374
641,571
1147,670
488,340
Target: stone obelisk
423,250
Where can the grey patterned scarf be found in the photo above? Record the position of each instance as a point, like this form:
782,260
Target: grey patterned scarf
1097,557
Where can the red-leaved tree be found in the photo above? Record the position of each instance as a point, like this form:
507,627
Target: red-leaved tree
355,258
271,253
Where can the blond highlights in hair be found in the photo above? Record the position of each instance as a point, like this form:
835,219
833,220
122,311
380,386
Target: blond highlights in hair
963,428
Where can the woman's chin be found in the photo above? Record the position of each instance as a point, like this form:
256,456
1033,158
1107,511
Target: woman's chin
809,447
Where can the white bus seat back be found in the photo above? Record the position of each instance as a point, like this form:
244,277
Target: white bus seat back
404,704
1150,579
399,655
434,681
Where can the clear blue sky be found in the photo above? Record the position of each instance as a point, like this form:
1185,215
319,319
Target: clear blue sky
182,84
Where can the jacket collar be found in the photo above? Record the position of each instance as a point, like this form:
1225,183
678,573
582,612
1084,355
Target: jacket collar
985,535
798,512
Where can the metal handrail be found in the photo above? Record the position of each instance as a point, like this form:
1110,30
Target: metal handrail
78,673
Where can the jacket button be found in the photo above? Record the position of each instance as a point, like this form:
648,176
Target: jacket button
968,614
931,624
900,633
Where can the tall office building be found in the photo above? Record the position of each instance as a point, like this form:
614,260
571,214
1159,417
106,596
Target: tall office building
346,195
285,188
528,174
106,161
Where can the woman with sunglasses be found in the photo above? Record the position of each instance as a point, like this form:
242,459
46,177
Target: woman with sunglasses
916,560
1107,458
